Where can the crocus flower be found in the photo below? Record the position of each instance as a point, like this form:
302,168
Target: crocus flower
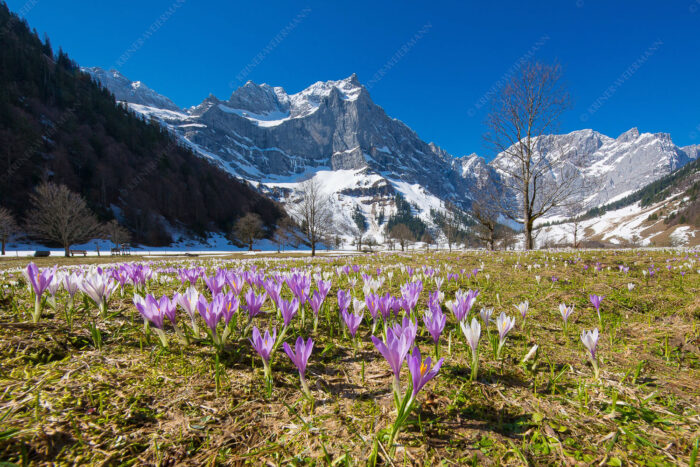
254,302
421,372
590,341
486,314
39,281
323,287
435,320
188,302
344,300
300,359
565,313
472,333
154,311
264,347
212,313
522,308
630,286
352,321
596,300
230,307
216,282
99,288
394,350
288,310
316,301
504,324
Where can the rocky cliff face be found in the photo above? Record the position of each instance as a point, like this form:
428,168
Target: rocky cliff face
263,134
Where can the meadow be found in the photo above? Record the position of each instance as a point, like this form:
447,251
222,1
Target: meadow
462,358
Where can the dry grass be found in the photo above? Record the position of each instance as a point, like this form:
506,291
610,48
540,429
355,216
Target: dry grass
135,403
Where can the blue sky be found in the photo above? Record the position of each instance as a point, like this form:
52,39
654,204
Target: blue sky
627,63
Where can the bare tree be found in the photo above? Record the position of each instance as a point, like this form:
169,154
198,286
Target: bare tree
284,233
575,213
248,229
402,234
486,211
8,227
427,239
525,110
314,213
61,216
451,224
117,233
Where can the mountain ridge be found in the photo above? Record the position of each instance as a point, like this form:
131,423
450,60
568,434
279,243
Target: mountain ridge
265,135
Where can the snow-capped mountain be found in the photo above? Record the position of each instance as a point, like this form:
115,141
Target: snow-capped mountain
619,166
333,131
133,92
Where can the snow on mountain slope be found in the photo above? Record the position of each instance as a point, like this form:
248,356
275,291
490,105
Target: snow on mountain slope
133,92
632,225
619,166
334,131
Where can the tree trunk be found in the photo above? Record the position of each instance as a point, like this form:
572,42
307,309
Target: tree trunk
528,231
313,248
491,241
3,246
250,245
67,248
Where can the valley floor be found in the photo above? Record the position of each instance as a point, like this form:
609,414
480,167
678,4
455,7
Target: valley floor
134,402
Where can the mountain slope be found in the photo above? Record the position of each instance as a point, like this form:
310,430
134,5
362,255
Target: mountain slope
619,166
334,132
57,124
664,213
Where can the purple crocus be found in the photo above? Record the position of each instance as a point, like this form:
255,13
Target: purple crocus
288,310
352,321
230,307
394,350
323,287
216,282
300,358
254,302
264,346
435,320
421,372
212,313
154,312
344,300
596,301
316,301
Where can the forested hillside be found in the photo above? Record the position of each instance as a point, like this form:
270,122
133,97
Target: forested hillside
57,124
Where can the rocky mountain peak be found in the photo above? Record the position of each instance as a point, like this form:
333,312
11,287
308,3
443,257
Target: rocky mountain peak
629,135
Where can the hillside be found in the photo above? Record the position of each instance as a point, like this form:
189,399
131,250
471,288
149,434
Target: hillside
663,213
57,123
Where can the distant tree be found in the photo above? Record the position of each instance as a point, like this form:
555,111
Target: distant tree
427,239
59,215
8,227
485,210
451,224
248,229
284,233
371,242
402,234
527,108
117,233
314,213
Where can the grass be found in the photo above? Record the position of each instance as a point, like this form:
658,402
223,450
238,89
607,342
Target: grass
133,403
